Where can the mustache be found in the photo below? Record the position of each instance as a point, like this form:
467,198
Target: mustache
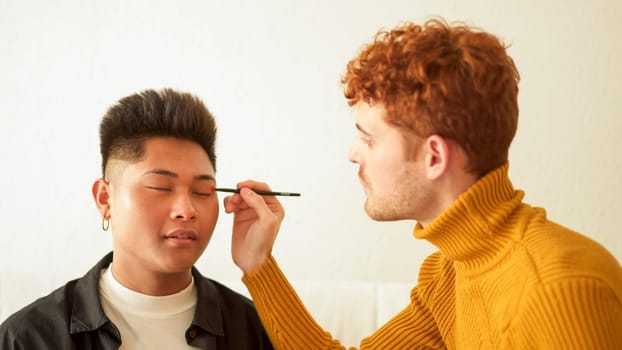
363,178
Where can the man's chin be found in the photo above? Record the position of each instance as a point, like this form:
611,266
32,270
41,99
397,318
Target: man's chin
179,263
374,213
380,213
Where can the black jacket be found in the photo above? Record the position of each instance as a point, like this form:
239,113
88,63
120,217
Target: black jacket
72,317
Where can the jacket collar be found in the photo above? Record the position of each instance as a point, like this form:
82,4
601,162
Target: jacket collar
208,313
88,315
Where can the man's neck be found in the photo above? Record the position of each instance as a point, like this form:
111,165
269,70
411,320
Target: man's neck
150,282
450,187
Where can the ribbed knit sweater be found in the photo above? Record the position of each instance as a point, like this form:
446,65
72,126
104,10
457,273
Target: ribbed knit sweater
504,277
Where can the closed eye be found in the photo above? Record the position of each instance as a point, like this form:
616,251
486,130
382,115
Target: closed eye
365,139
203,194
159,188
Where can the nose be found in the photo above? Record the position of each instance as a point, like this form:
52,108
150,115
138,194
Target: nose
183,209
353,153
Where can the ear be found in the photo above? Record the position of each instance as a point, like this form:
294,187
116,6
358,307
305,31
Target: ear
101,195
437,156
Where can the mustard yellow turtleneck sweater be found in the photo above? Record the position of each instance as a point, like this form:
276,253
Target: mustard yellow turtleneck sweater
504,278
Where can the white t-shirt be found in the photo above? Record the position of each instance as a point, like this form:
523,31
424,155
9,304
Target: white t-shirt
145,321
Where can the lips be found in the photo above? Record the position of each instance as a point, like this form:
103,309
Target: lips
362,179
182,234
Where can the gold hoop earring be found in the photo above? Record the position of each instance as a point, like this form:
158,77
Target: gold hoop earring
105,224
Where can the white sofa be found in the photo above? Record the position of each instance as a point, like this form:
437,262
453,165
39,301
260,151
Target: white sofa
350,310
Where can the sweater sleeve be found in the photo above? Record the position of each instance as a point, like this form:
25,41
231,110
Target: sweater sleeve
571,314
290,325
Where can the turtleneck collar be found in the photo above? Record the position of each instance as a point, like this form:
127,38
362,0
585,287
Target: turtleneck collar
142,305
471,231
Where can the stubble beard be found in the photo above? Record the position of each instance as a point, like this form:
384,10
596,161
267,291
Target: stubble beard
378,208
386,209
409,200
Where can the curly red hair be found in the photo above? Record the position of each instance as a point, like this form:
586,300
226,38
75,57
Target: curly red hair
437,79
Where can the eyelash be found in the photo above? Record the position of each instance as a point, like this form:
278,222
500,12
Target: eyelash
170,190
159,188
202,194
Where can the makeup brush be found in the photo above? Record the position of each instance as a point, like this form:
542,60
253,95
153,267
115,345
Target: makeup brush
259,192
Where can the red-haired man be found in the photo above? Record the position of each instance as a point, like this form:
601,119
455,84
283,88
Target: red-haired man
436,112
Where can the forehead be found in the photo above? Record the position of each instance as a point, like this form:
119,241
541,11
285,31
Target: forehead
178,155
370,115
370,119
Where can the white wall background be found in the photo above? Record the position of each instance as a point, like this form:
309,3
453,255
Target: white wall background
269,71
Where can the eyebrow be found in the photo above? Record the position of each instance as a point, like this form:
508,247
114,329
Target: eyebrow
360,128
171,174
